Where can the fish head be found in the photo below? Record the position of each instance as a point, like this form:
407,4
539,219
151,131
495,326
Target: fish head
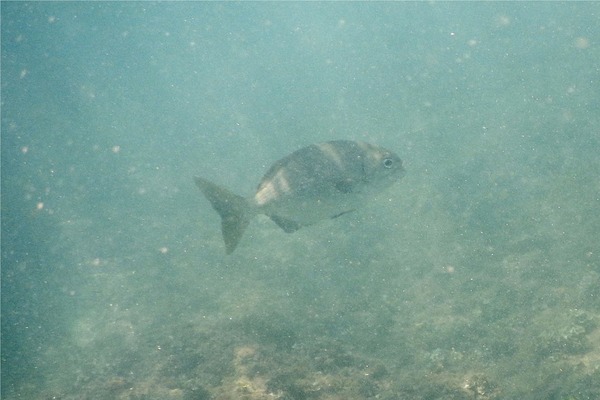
381,167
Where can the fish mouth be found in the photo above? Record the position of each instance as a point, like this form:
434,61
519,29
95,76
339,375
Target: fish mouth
401,173
401,170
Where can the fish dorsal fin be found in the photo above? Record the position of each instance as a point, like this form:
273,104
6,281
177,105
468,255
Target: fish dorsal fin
287,225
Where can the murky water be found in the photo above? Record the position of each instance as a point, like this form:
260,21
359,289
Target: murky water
476,277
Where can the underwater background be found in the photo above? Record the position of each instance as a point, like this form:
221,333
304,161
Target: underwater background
475,277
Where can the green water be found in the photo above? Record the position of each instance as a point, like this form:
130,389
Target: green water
475,277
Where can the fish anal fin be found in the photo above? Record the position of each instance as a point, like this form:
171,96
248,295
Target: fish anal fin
342,213
287,225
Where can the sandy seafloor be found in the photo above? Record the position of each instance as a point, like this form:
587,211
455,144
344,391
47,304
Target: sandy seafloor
475,277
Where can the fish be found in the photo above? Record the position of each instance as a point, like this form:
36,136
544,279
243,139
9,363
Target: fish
321,181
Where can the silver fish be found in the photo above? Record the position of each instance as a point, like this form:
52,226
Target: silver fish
317,182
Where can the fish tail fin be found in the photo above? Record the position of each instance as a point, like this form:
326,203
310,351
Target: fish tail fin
235,211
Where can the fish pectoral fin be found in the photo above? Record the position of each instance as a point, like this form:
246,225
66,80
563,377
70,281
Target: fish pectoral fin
342,213
345,186
287,225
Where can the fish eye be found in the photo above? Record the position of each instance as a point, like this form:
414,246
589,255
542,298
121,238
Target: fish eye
388,162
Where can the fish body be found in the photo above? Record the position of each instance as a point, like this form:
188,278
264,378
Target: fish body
317,182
